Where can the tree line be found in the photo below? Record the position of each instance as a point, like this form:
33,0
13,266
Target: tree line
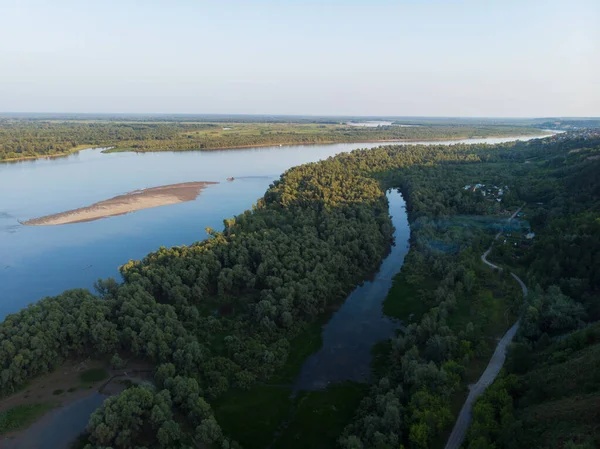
410,403
547,395
38,137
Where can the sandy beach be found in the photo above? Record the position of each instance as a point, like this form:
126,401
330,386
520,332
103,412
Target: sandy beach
123,204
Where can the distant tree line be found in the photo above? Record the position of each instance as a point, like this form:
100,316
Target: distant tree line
31,138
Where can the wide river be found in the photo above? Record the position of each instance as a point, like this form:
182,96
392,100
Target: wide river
38,261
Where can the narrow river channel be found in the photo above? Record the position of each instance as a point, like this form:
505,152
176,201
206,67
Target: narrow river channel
352,331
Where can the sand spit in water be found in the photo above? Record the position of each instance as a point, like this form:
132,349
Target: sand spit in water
123,204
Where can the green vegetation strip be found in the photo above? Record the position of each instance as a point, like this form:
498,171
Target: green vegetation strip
403,301
22,416
93,375
23,139
549,397
319,417
252,417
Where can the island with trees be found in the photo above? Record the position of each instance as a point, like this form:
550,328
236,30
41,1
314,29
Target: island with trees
56,135
225,323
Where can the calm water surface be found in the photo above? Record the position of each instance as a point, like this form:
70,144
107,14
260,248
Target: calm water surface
38,261
375,124
352,331
370,123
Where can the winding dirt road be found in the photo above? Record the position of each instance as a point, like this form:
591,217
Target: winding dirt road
484,255
494,366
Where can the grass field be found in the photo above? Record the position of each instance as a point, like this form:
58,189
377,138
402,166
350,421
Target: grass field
560,397
21,416
319,417
40,138
207,136
252,417
268,414
93,375
302,346
552,424
404,301
258,129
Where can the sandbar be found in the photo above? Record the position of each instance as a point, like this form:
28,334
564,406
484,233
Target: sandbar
123,204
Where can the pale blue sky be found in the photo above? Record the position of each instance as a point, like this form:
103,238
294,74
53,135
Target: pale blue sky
419,57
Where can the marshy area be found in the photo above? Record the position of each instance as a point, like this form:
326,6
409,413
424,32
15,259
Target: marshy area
51,411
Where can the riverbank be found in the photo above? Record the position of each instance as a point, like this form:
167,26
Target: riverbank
328,367
65,398
76,149
457,139
542,133
32,138
123,204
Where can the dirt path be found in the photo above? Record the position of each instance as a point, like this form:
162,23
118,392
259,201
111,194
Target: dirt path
494,366
489,375
496,267
487,262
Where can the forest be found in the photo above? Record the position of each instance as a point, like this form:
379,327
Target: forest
29,138
226,319
555,179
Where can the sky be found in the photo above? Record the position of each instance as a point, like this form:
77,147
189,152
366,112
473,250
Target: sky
468,58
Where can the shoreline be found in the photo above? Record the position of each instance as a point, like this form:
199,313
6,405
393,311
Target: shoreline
124,204
75,150
331,142
69,399
108,150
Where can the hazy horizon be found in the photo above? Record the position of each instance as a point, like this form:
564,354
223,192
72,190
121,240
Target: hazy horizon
342,116
467,59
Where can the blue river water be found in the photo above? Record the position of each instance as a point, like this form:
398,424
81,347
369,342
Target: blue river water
349,336
39,261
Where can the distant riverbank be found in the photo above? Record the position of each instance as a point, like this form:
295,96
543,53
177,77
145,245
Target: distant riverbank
24,140
459,139
123,204
37,261
52,156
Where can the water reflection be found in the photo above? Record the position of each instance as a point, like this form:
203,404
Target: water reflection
352,331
